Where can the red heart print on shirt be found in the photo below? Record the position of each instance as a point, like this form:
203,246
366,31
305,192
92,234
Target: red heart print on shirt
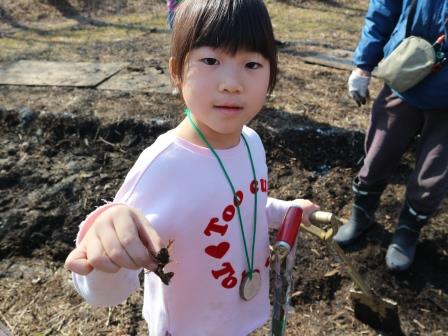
217,251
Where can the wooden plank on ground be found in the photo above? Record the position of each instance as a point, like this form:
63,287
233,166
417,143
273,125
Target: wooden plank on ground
337,59
41,73
142,80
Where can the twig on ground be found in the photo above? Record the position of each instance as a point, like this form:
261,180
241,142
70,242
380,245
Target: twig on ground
112,144
419,324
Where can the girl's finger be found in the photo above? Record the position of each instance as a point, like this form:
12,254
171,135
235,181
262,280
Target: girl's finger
96,255
307,213
77,261
114,249
149,238
128,235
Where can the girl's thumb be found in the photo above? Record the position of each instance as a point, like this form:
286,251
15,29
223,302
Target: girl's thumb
77,261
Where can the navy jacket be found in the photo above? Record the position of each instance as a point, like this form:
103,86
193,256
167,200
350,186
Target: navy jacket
385,28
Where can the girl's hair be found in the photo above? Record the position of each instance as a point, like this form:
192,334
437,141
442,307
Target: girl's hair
231,25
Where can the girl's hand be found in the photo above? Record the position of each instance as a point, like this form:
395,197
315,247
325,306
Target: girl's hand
308,208
120,237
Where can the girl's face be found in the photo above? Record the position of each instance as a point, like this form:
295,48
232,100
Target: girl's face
223,92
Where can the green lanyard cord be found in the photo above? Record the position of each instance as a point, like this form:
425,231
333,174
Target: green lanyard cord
255,204
250,263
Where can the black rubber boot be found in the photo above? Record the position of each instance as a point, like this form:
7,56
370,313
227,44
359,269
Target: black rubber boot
401,251
362,217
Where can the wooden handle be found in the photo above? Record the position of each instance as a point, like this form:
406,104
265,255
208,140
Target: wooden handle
321,217
350,268
315,231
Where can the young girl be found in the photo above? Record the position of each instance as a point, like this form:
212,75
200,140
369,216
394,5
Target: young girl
200,188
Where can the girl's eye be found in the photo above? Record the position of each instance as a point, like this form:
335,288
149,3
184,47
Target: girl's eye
253,65
210,61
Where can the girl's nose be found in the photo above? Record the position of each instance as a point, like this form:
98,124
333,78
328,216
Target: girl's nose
231,82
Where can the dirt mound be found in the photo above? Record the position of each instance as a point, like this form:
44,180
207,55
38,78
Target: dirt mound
60,164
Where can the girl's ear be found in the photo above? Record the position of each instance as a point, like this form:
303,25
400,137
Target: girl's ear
175,78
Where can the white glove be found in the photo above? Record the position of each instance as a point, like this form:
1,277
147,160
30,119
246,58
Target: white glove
358,86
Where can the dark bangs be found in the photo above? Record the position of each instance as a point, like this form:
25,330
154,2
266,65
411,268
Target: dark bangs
231,25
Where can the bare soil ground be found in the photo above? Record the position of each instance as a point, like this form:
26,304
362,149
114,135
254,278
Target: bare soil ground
64,150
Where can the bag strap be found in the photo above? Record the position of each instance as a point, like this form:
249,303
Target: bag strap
411,13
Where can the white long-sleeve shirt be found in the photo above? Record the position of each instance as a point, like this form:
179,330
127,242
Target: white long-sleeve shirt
182,191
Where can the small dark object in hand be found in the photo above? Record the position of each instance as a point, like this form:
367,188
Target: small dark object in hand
163,258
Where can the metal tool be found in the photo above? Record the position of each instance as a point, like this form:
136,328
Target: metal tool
379,313
284,256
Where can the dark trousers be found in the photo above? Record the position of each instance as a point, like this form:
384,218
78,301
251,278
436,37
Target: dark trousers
393,126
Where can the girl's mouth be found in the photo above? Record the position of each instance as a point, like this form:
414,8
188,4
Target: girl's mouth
228,109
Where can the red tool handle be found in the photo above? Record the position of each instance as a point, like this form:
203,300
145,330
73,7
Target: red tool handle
438,43
290,226
440,39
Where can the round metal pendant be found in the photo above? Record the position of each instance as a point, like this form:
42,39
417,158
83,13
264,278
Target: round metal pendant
250,287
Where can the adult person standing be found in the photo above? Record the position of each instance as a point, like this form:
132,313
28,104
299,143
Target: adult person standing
396,119
171,8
